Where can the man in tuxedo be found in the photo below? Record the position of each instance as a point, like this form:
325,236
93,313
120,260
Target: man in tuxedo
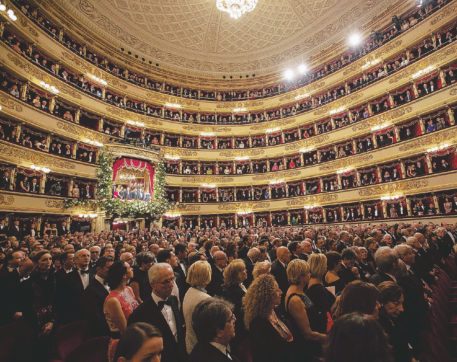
386,261
252,257
67,260
4,227
10,281
15,230
278,268
217,273
72,288
63,229
94,296
214,325
94,256
161,310
348,272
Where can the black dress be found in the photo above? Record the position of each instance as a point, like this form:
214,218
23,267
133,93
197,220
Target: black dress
323,301
267,344
398,337
305,350
234,294
338,284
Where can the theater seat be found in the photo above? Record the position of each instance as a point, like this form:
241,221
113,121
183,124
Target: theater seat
92,350
69,337
16,341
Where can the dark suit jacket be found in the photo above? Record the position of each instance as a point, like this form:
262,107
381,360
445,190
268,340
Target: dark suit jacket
148,312
92,308
379,277
181,282
17,232
69,298
249,268
217,279
234,294
346,275
205,352
280,274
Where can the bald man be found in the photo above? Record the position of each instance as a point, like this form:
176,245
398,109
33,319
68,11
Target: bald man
278,268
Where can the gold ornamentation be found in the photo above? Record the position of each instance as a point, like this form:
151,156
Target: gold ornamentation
452,9
312,199
239,153
309,142
346,162
75,130
187,207
10,103
430,140
381,119
57,204
181,152
234,206
207,179
6,200
133,151
343,102
20,155
397,187
26,24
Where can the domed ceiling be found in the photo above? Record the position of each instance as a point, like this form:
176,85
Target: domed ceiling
194,36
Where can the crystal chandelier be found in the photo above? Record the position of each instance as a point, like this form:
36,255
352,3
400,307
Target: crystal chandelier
236,8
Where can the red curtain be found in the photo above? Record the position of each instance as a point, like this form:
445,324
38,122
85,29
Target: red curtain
138,165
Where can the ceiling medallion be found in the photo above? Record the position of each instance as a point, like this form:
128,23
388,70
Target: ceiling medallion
236,8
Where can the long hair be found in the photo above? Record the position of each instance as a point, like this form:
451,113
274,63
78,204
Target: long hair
258,301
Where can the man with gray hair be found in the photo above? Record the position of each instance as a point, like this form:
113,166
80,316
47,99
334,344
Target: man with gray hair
386,261
161,310
252,257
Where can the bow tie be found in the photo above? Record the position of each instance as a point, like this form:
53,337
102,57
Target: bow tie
162,303
84,271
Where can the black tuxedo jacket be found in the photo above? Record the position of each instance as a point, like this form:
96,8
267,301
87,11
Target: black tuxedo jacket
92,302
249,268
205,352
70,292
17,232
217,279
181,282
280,274
346,275
148,312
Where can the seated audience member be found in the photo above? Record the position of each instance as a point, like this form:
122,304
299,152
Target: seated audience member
360,297
120,302
386,262
161,309
391,299
271,340
140,342
357,337
94,297
214,324
308,325
198,277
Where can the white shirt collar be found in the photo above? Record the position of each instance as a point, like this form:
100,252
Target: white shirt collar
220,347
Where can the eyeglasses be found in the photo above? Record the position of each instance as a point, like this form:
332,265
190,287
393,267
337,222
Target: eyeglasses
167,281
232,318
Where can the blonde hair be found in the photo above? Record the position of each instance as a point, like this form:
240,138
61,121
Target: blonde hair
295,269
232,272
199,274
317,265
260,268
258,301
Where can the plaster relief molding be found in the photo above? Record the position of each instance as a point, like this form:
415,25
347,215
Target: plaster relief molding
398,187
239,153
353,161
23,156
181,152
207,179
26,23
9,103
55,204
187,207
238,206
432,140
277,175
207,128
344,102
308,142
6,200
83,133
312,199
133,152
381,119
450,12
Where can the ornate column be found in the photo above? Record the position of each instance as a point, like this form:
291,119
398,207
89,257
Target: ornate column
77,115
450,114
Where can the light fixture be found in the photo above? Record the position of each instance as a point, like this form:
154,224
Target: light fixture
272,130
344,170
438,148
379,127
276,182
424,71
236,8
171,157
302,96
87,216
302,68
306,149
208,186
355,39
172,105
244,212
40,168
11,14
135,123
173,215
337,110
2,7
242,158
240,110
97,79
93,143
207,134
391,197
309,207
49,87
289,74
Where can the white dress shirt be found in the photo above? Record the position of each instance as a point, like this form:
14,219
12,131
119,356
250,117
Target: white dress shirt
167,313
84,279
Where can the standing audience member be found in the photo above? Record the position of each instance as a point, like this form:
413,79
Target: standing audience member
198,277
217,273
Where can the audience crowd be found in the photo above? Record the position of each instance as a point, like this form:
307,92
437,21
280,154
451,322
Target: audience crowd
330,293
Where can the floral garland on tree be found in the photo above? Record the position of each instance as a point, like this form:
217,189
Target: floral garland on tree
114,207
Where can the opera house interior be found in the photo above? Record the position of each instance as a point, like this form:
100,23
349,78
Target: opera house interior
228,180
